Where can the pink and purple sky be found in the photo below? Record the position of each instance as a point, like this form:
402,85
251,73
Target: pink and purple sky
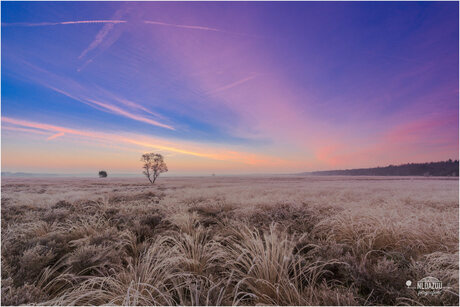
229,87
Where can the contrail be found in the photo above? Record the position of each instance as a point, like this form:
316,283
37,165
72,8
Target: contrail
103,37
42,24
192,27
97,41
115,21
182,26
228,86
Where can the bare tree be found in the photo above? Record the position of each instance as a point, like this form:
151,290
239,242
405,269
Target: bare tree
153,166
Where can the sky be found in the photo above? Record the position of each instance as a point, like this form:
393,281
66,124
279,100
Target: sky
229,87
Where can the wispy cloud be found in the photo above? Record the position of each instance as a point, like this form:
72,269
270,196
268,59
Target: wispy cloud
120,111
417,130
55,136
128,103
94,97
198,150
20,129
103,106
416,140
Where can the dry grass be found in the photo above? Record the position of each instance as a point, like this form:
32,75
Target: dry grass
228,241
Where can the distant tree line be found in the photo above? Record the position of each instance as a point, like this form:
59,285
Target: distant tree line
443,168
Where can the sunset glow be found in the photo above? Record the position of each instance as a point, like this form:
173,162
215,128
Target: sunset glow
228,88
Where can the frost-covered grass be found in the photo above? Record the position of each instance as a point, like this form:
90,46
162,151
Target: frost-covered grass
228,240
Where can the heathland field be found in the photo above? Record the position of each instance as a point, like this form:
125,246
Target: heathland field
229,240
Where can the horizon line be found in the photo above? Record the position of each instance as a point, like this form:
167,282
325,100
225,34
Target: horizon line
211,174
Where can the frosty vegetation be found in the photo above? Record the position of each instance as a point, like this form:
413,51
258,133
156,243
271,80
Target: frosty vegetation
228,240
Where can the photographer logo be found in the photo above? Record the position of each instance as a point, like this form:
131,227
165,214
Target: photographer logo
426,286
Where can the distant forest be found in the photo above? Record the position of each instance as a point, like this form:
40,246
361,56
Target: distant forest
443,168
